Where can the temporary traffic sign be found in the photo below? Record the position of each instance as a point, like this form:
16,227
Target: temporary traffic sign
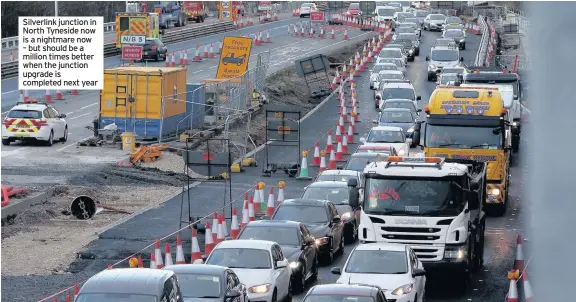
234,58
316,16
131,53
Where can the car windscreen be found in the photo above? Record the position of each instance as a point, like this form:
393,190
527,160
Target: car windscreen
115,297
405,105
445,78
240,258
381,67
199,285
281,235
354,6
390,76
302,213
453,70
377,262
453,20
307,5
24,114
444,55
337,298
387,12
444,42
358,163
405,36
397,62
404,30
464,137
385,136
397,117
453,34
398,93
437,17
390,53
421,14
411,20
334,177
335,195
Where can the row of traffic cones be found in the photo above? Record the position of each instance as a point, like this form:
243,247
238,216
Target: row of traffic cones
519,271
48,98
70,297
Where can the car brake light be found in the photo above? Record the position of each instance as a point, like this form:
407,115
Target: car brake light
153,48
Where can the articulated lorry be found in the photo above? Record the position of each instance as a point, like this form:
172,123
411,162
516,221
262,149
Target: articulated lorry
432,204
472,123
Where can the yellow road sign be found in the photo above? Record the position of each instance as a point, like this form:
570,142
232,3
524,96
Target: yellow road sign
234,57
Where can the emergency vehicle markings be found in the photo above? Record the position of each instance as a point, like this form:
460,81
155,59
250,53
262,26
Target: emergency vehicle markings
60,53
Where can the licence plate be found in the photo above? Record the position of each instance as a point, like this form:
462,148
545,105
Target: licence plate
22,126
22,134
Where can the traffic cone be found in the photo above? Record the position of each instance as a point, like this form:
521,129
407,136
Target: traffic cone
48,97
339,155
59,95
185,58
316,159
234,230
196,253
350,134
329,143
333,85
304,175
355,112
338,78
246,199
197,57
179,251
205,51
172,60
220,46
257,42
211,51
257,200
268,36
220,235
208,241
519,262
345,34
76,290
323,161
225,225
168,255
181,59
295,31
262,204
332,161
215,227
251,210
338,135
351,77
344,70
140,262
281,186
153,260
245,218
527,287
68,297
302,34
332,35
158,252
322,33
271,202
345,144
512,291
167,61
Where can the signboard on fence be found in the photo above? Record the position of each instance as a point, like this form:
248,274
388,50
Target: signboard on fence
234,57
131,53
265,5
317,16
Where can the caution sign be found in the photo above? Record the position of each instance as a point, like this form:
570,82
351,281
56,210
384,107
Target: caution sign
234,57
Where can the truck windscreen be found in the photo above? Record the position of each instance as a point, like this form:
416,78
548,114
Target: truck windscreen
413,196
462,137
514,83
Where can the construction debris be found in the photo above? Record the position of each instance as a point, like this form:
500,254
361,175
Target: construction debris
147,154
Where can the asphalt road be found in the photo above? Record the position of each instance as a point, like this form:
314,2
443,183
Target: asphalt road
11,94
284,49
132,236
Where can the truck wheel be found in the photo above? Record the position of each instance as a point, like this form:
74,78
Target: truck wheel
202,19
5,141
479,245
515,143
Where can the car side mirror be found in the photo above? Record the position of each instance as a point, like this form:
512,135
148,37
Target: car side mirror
363,140
233,293
309,241
281,264
427,58
418,273
461,59
336,271
62,116
374,121
418,98
418,110
336,219
339,167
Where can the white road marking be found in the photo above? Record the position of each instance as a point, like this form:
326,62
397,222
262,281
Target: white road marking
72,144
79,116
88,106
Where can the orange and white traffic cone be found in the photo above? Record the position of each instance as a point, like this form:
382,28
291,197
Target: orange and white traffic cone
173,60
158,252
257,42
208,241
512,291
234,230
316,158
168,255
281,186
197,57
344,114
251,215
225,225
181,59
332,34
322,33
527,287
338,77
24,96
355,112
350,134
332,160
323,166
262,187
215,227
185,61
357,69
246,200
345,34
329,143
167,61
179,251
351,77
196,253
345,144
245,218
153,260
220,46
206,51
48,97
59,95
257,200
268,37
333,85
338,135
211,51
140,263
76,290
339,153
302,33
220,236
519,262
271,201
344,70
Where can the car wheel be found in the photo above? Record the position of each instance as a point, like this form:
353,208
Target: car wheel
463,46
288,297
300,283
65,137
6,141
349,235
157,58
314,275
50,140
275,294
341,247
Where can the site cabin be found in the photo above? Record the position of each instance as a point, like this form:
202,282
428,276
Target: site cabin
432,204
195,11
136,24
472,123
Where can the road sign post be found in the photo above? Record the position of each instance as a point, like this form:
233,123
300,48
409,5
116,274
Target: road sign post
131,53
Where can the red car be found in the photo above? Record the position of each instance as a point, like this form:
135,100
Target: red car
354,9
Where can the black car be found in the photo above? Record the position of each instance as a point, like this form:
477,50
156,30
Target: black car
337,193
322,219
411,37
154,49
409,46
358,161
345,292
297,243
209,283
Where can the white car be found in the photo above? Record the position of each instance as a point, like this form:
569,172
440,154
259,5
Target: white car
442,57
306,9
400,29
400,63
447,79
379,67
389,76
391,266
397,90
34,121
340,175
434,22
259,264
384,13
388,136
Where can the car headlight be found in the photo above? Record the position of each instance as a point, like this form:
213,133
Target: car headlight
411,51
322,241
260,289
514,124
294,264
494,192
402,152
410,130
456,253
431,66
345,216
461,40
403,290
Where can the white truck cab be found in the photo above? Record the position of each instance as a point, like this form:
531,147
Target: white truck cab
384,13
432,204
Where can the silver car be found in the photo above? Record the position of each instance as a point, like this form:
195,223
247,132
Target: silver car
434,22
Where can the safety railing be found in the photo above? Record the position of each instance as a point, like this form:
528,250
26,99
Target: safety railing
481,54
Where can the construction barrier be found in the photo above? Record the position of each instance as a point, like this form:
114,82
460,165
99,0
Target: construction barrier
518,277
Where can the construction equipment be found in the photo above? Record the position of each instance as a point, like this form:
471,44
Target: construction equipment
195,11
147,154
171,14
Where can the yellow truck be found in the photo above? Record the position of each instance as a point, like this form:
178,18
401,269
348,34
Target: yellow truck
131,28
472,123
